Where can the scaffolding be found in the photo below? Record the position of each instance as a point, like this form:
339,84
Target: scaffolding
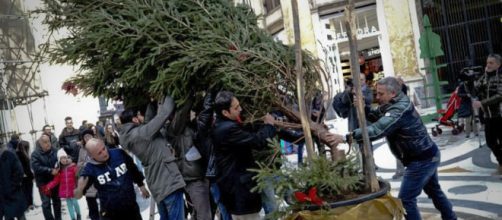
19,75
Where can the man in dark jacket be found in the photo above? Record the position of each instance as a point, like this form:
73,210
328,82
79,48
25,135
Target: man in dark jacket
204,143
489,95
157,156
233,149
12,201
112,172
68,139
398,121
43,161
344,105
181,134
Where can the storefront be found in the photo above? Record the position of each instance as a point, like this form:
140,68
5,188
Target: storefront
369,41
387,32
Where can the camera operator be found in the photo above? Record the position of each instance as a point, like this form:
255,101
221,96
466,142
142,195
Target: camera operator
489,92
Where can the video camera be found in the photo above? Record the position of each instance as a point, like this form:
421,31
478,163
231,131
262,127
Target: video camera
471,74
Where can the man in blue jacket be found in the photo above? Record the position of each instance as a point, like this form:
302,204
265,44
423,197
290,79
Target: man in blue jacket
113,173
398,121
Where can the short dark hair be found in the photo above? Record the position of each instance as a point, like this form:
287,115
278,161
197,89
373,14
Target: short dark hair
86,132
223,101
127,115
45,126
131,112
14,137
67,118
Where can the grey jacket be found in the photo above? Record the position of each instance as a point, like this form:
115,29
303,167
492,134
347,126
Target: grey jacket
157,156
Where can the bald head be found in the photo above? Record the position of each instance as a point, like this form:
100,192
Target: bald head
45,142
97,150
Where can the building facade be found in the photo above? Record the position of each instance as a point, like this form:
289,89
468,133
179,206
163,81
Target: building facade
387,32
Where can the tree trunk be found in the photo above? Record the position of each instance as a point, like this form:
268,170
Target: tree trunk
367,154
300,84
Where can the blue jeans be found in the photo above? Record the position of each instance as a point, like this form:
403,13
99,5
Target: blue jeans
215,192
423,175
268,197
300,153
172,207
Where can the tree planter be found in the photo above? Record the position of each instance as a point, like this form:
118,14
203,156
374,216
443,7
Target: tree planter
377,205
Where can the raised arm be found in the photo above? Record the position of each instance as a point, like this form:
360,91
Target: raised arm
153,126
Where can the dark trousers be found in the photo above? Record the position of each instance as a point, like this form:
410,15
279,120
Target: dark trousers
27,187
494,137
130,213
46,205
92,204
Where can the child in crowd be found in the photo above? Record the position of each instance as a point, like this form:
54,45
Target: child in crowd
66,178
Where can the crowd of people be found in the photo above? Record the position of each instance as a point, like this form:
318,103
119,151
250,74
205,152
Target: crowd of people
200,162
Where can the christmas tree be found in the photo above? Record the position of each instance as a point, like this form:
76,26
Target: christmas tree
134,50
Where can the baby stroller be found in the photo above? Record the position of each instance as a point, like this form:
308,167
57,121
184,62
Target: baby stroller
447,115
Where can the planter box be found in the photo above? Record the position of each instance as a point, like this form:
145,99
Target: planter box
377,205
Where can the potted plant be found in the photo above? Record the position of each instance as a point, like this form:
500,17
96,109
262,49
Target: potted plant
323,189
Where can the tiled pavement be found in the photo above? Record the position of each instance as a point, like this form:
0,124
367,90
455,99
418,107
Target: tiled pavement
464,174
